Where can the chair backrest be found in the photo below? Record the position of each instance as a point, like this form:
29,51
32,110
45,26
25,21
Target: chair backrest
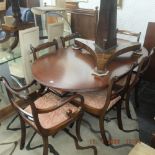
149,41
27,38
114,89
140,69
55,31
149,67
128,35
43,47
147,61
69,39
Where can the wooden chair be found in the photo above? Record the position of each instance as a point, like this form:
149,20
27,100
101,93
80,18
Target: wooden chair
134,84
128,35
134,81
47,115
100,102
68,38
143,70
43,47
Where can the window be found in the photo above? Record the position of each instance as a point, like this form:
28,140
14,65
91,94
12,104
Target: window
49,2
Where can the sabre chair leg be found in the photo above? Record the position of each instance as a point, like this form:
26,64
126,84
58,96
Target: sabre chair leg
45,145
102,131
23,133
119,116
78,125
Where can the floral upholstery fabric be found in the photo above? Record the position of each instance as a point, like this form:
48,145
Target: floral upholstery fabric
97,99
54,118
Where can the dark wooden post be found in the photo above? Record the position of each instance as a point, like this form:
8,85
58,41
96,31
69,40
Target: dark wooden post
106,29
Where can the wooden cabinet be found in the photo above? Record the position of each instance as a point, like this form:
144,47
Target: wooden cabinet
84,21
30,3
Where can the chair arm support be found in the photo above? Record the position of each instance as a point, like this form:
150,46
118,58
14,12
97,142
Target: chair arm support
16,91
25,87
50,109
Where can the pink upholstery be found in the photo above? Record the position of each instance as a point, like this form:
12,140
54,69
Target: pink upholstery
52,119
97,99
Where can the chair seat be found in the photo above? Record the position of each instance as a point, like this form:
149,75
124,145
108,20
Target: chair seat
56,117
97,99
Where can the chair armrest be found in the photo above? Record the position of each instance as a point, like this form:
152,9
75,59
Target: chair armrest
16,91
50,109
25,87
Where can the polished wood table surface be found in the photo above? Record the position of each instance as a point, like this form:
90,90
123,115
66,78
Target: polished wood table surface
72,70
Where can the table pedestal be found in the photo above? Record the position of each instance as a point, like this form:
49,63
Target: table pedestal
104,57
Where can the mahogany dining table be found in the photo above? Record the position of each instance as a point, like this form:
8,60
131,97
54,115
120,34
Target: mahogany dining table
72,70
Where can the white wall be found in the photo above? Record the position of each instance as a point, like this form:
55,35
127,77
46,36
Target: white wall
91,5
133,16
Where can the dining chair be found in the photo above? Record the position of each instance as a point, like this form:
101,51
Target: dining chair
69,39
98,103
20,69
134,82
47,114
143,71
128,35
43,48
55,31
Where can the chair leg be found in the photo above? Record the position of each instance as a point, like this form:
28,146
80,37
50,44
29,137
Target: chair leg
119,117
127,107
23,133
78,125
102,131
71,125
45,145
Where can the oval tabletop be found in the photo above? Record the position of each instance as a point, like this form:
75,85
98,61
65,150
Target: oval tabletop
72,70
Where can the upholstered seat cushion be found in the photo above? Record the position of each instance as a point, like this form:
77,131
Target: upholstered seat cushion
97,99
56,117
